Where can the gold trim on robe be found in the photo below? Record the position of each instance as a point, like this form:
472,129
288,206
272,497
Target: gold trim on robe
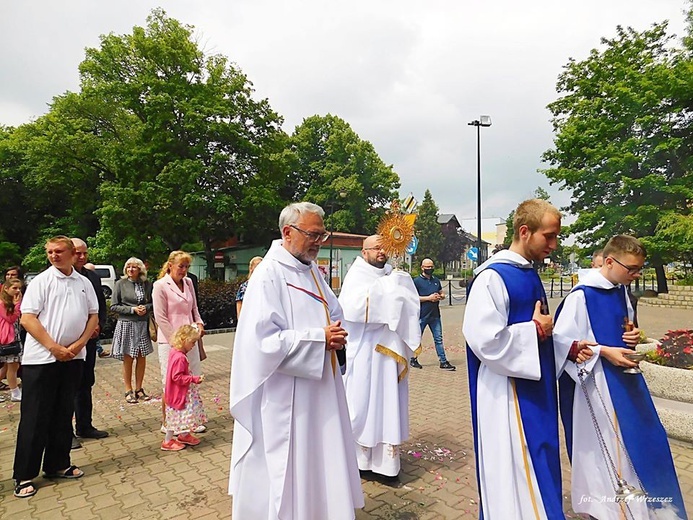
394,355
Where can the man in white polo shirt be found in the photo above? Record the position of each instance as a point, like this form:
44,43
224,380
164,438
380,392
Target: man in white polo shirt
59,313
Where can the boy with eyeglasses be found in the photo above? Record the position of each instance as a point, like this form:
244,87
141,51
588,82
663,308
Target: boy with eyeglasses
594,323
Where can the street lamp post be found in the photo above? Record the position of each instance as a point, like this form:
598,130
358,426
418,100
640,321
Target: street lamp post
478,123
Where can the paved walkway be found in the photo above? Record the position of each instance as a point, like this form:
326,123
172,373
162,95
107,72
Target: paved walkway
127,476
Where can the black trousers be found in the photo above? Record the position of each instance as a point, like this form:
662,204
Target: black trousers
83,403
45,424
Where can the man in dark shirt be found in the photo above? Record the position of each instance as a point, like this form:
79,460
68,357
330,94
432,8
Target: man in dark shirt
430,293
83,401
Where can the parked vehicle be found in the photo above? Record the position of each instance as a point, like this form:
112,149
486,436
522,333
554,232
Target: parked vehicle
108,276
29,276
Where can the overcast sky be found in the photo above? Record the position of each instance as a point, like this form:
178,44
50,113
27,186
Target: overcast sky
407,76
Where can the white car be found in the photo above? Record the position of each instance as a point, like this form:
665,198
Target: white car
108,276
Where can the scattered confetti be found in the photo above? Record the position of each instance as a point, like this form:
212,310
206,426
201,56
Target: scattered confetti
433,453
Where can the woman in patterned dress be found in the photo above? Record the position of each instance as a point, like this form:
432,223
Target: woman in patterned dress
132,301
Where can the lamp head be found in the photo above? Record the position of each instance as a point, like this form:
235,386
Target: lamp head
484,120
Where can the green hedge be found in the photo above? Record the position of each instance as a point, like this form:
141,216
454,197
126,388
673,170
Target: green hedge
216,302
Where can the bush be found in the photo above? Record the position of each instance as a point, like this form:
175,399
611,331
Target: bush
216,303
685,280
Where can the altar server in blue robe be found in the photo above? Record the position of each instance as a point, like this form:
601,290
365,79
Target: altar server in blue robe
512,374
594,331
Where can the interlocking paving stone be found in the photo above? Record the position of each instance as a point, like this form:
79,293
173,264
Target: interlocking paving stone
128,476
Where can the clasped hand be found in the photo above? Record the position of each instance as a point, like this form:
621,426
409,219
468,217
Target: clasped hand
335,336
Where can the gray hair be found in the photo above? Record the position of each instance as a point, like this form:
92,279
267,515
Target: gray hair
293,213
139,263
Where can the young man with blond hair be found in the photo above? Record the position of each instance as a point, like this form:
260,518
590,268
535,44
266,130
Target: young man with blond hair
594,326
512,376
59,313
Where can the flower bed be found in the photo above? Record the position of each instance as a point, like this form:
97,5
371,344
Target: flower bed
675,350
669,375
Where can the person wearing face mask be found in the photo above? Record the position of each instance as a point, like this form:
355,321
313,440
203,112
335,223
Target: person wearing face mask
430,293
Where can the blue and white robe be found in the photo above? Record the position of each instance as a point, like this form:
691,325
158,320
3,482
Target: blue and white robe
595,310
513,393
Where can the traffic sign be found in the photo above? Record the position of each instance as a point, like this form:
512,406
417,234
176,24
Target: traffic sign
473,254
413,246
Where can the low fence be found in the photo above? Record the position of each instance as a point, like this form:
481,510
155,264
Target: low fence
556,287
560,286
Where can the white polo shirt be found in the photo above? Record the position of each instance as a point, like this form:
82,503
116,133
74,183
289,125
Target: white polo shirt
63,305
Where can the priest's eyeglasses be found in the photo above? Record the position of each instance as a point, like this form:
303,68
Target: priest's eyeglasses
313,235
632,270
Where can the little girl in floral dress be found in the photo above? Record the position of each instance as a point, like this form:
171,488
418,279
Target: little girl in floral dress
184,409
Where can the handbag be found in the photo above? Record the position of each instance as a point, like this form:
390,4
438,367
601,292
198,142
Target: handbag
9,344
11,349
152,327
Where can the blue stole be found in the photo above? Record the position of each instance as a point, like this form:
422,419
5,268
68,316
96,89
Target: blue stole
538,400
641,430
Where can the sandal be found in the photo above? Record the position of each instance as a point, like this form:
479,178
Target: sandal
20,487
71,472
140,394
131,397
4,386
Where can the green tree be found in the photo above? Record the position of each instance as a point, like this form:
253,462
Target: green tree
330,159
623,138
453,246
676,232
508,239
428,231
190,155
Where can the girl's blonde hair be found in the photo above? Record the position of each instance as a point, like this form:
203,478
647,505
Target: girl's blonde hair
185,334
174,257
140,265
253,264
5,298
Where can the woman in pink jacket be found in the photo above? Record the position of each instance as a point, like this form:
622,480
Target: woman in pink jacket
175,305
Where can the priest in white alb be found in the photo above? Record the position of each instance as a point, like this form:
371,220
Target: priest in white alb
381,315
293,454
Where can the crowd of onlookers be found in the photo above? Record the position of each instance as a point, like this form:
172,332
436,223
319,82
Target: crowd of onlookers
49,334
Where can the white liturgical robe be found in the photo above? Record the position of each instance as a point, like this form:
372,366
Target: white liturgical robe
381,314
592,482
292,456
507,477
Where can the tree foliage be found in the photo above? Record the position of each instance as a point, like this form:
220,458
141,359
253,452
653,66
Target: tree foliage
453,245
335,168
623,137
164,147
190,150
428,230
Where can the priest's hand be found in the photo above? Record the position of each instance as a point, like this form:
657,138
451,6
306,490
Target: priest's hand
335,336
545,321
